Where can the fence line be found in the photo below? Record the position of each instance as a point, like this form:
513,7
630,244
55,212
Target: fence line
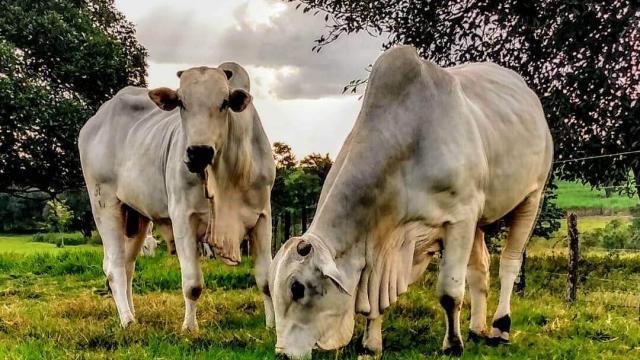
615,250
597,157
589,276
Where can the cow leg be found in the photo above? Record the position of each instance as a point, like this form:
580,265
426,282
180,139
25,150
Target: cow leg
192,280
372,340
166,231
108,215
261,253
520,224
478,282
458,241
133,245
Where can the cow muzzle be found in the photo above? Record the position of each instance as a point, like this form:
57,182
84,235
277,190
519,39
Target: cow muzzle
198,157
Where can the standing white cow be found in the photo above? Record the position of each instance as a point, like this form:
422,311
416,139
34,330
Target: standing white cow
202,171
434,155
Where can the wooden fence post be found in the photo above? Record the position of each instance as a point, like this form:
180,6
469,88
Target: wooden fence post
574,257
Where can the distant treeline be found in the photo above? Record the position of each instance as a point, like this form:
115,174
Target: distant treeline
295,191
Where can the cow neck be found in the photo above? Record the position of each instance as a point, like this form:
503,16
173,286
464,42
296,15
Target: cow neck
354,201
235,155
232,166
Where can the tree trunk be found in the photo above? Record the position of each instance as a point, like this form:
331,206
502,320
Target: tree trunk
303,216
287,225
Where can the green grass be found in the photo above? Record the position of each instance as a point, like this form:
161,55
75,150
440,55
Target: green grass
557,244
591,223
573,195
22,244
54,305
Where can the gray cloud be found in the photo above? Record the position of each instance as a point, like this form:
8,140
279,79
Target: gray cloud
181,37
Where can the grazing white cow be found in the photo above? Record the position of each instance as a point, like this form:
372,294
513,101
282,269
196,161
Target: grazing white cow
149,245
197,162
434,155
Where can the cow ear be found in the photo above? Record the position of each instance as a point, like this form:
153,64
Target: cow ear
239,100
327,266
165,98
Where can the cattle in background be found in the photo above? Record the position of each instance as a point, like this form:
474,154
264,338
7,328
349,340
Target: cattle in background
206,251
150,244
195,161
434,155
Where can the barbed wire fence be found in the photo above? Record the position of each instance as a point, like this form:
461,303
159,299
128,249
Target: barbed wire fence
578,279
574,277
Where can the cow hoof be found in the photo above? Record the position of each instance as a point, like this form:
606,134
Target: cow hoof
369,356
270,324
497,341
190,328
477,337
127,322
455,350
371,348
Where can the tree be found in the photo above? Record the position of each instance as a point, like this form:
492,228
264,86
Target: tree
59,60
57,216
19,215
283,156
304,189
316,168
281,198
296,190
78,203
581,58
318,165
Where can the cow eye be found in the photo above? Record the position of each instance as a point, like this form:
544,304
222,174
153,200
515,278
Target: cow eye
297,291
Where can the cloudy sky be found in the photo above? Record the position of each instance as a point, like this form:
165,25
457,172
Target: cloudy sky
296,92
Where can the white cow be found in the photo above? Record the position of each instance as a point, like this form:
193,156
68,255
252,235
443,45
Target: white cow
197,162
149,245
434,155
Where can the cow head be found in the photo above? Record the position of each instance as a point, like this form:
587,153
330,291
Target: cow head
204,99
314,301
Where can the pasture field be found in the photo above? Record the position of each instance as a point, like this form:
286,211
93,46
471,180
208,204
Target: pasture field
22,244
574,195
54,305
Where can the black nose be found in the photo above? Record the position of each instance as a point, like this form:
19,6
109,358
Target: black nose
198,157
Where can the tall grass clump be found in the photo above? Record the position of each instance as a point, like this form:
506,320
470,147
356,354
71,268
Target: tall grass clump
63,263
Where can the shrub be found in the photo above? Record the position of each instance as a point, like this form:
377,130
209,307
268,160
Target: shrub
59,240
615,235
634,241
591,238
49,238
39,237
95,238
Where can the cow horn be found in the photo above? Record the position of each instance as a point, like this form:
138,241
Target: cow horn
304,248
